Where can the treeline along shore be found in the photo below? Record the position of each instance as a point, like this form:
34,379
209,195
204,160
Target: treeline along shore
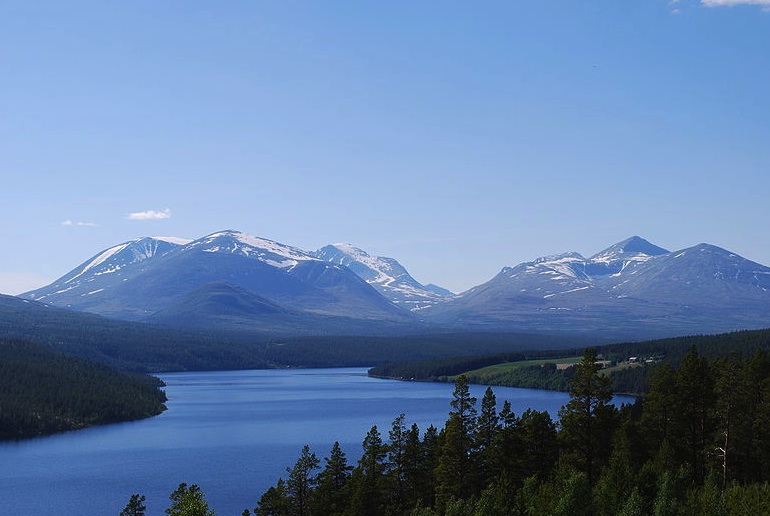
695,444
629,365
43,391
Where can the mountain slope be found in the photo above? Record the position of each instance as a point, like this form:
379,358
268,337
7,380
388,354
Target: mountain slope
234,281
105,270
388,276
117,284
633,289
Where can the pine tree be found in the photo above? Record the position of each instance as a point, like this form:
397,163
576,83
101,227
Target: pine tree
430,451
415,474
694,420
135,506
275,501
587,419
488,421
507,417
396,467
464,407
488,427
302,481
368,477
456,473
539,446
330,495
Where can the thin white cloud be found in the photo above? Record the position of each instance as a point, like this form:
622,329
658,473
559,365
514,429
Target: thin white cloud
721,3
150,215
69,222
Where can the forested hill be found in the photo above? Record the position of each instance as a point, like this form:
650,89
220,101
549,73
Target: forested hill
696,445
43,391
134,346
538,368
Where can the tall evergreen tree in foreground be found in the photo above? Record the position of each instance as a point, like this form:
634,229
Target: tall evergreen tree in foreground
368,478
331,492
456,473
587,420
302,481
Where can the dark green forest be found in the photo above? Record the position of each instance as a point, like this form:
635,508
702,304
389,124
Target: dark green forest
133,346
696,444
631,380
43,391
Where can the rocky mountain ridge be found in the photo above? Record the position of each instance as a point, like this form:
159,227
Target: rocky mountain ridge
632,289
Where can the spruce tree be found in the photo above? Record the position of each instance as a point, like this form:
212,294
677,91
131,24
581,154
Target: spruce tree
275,501
302,481
694,420
587,419
368,495
456,469
330,495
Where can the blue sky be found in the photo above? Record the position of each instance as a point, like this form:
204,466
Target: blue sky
457,137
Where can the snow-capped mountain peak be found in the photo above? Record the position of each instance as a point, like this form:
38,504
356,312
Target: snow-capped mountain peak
570,265
111,266
631,249
385,274
125,254
268,251
568,257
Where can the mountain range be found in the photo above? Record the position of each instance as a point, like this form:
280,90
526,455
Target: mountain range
631,290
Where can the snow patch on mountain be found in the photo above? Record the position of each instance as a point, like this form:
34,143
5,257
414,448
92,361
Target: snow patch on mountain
271,252
173,240
387,275
103,257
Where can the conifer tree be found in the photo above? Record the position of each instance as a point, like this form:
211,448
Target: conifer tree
415,474
275,501
330,495
488,421
302,481
694,420
488,426
507,417
587,419
368,495
135,506
397,467
456,473
539,446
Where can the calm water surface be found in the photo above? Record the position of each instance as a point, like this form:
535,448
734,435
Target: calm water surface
233,433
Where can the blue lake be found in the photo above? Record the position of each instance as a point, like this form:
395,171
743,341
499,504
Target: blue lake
233,433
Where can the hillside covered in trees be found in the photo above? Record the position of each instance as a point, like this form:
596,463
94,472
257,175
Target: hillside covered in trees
696,444
537,369
134,346
43,391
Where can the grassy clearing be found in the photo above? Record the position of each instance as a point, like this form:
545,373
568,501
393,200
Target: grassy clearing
506,367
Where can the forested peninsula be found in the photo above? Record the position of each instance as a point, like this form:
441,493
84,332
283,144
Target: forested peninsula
43,391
